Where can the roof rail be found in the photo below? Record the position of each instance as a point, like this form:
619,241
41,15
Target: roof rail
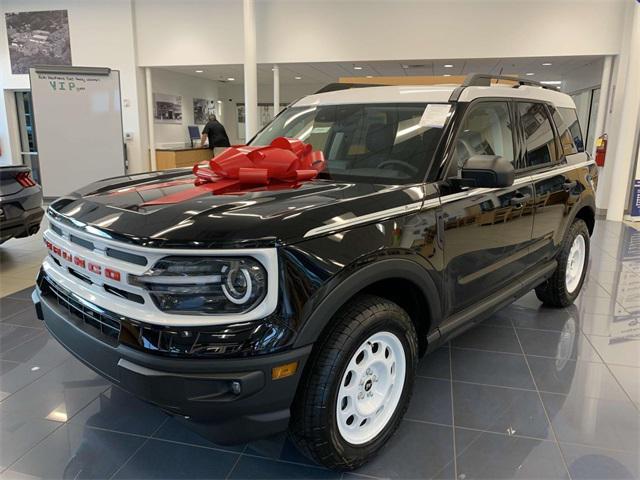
334,87
485,79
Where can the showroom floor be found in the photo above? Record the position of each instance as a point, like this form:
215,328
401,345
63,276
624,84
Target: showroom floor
531,393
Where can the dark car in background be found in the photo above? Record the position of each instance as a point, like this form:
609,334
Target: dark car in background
20,203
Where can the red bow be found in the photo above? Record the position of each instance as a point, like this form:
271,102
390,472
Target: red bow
285,160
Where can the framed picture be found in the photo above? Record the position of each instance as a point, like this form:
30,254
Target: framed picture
202,108
167,108
38,38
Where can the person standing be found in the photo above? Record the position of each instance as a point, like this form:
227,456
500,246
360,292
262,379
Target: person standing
216,134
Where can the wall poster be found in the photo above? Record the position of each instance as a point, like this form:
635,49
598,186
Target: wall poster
167,108
202,108
38,38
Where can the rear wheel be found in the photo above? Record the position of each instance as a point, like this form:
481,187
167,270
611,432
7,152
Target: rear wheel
566,282
358,384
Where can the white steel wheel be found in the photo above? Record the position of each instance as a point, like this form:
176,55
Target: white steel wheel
371,388
575,263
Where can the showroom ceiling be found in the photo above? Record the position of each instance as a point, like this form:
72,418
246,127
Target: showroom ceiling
326,72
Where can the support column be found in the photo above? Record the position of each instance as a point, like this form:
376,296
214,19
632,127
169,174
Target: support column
150,122
603,106
624,154
250,69
276,90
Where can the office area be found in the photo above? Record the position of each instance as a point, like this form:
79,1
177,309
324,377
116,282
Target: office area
531,392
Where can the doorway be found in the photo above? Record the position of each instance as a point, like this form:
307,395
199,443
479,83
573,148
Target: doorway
27,130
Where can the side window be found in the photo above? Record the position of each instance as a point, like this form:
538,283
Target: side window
485,130
566,138
538,134
571,119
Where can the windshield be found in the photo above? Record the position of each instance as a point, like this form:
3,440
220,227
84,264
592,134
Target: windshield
377,143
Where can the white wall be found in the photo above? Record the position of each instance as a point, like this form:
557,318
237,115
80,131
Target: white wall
187,86
189,32
197,32
101,35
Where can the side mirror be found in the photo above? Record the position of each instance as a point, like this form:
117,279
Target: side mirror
488,171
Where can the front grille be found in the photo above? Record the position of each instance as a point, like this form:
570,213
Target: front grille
105,325
126,256
122,255
82,242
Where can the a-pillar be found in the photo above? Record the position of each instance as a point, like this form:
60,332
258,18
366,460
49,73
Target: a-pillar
250,69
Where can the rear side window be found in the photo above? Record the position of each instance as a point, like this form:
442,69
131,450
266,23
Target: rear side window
571,120
567,144
538,134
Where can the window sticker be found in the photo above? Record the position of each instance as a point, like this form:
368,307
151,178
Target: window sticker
435,115
320,129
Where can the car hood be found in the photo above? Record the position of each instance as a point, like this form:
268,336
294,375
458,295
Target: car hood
160,209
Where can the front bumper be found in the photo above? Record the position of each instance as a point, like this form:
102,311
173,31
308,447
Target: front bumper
226,400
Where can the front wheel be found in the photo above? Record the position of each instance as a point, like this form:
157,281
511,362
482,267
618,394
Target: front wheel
564,285
358,384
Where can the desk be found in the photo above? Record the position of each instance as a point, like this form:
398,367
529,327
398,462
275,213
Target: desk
177,157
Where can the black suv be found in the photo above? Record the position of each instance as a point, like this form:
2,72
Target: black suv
249,305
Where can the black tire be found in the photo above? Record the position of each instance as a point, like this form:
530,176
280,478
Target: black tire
553,292
314,428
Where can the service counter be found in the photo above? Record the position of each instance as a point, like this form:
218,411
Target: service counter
177,157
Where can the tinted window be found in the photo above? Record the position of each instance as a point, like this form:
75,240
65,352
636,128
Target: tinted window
571,119
538,134
566,139
383,143
485,130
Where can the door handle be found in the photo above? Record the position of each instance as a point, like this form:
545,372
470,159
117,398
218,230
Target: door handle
569,185
519,200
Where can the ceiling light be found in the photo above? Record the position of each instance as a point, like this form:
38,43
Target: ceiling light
357,67
199,71
529,74
297,77
448,65
230,79
551,82
547,64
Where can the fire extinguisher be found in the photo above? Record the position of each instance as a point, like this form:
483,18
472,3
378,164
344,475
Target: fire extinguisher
601,149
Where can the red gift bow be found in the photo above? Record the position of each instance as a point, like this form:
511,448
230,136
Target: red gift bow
285,160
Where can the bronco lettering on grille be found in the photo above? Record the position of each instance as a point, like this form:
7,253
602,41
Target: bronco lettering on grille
77,261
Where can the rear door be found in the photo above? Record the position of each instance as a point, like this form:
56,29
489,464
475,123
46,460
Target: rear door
548,144
486,232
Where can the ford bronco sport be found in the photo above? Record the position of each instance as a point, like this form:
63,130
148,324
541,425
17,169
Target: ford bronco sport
305,305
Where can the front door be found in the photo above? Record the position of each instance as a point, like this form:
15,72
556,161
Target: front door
486,232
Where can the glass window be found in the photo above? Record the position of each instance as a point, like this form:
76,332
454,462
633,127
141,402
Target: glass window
485,130
566,139
538,134
571,118
380,143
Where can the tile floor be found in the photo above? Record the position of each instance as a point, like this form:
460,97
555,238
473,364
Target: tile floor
531,393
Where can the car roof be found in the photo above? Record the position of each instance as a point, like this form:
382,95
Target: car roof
433,94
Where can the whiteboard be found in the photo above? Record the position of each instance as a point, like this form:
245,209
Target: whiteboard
78,123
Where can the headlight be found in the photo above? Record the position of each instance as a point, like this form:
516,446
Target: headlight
205,285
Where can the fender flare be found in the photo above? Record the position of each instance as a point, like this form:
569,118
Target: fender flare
360,279
589,202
